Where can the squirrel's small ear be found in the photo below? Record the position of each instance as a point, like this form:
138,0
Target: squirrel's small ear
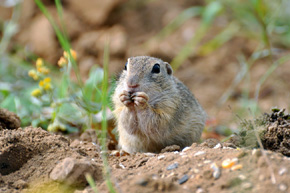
168,68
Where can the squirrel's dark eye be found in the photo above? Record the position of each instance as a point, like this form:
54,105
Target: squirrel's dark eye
156,68
126,66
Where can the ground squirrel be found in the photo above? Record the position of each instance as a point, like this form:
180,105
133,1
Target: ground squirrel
154,109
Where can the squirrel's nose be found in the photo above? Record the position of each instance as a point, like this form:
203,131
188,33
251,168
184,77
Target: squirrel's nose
133,85
132,82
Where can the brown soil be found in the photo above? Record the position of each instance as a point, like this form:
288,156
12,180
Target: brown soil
277,135
33,160
8,120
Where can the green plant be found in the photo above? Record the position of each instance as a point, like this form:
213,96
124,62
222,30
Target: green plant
15,85
86,98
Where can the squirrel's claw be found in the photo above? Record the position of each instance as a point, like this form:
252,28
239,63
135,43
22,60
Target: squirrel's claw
126,99
140,99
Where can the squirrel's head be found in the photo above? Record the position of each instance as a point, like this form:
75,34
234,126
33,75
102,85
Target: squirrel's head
144,72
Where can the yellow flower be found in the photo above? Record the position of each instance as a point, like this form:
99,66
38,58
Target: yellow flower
39,62
51,128
36,77
43,70
39,69
47,80
73,53
41,83
47,86
36,92
56,126
32,73
62,62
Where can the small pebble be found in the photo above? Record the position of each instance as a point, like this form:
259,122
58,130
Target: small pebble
150,154
142,181
217,146
161,157
199,153
282,171
195,170
216,171
199,190
122,166
199,165
246,185
261,177
186,149
242,177
175,152
216,174
282,187
228,163
172,174
182,153
228,147
236,167
183,179
172,166
235,159
207,161
257,152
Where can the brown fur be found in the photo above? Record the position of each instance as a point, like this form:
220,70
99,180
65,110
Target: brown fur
171,115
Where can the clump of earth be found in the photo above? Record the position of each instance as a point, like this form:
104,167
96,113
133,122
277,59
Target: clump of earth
34,160
272,129
277,134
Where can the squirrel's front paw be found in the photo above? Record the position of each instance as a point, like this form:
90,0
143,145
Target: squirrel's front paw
126,98
140,99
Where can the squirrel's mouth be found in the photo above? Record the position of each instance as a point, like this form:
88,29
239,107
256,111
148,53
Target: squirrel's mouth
133,90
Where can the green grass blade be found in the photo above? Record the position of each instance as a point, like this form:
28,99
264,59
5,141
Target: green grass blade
271,69
209,13
227,34
64,42
179,20
59,8
104,119
91,182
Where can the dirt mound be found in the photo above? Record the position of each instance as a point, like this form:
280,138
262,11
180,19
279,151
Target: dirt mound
27,156
8,120
277,135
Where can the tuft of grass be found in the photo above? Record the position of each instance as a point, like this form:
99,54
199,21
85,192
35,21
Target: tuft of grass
91,182
208,14
251,131
104,122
